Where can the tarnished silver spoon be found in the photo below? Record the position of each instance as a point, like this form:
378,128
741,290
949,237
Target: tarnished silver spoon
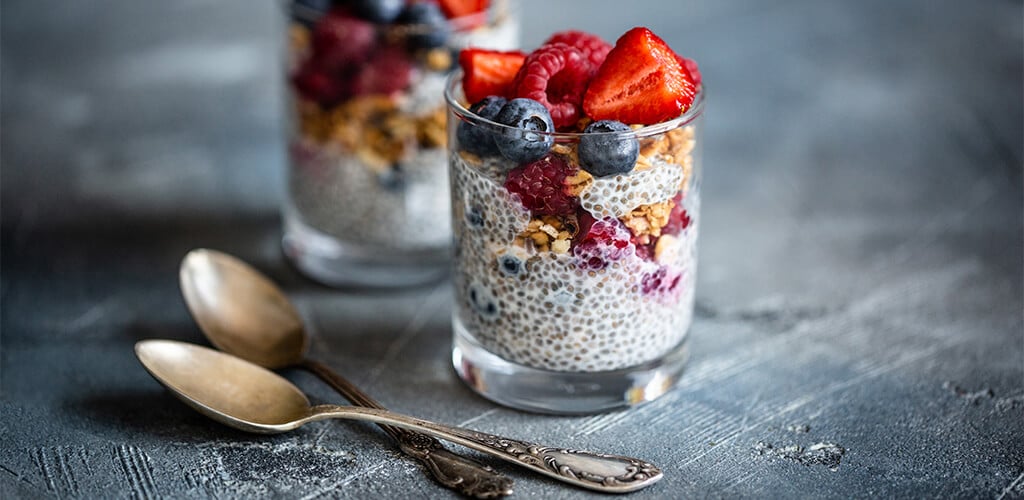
244,313
251,398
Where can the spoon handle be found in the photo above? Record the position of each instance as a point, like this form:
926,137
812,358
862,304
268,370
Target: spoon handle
450,469
595,471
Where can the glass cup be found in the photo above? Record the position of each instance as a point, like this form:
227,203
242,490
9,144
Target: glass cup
367,195
586,310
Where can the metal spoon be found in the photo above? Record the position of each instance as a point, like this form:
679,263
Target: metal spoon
244,313
248,397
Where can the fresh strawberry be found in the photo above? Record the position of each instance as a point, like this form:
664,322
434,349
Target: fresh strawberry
691,67
461,8
593,47
556,76
640,82
489,72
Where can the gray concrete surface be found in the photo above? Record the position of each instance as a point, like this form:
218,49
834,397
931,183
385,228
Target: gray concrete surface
859,327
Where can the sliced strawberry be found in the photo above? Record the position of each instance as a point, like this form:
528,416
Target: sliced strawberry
556,76
593,47
640,82
691,67
489,72
460,8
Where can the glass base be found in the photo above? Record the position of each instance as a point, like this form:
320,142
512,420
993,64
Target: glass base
340,264
564,393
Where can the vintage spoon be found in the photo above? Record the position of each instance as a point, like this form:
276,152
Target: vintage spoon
251,398
242,312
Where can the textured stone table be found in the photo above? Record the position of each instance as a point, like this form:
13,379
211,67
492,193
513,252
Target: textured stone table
859,326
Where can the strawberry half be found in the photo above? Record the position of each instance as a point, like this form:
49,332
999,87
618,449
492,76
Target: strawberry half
460,8
640,82
489,72
691,67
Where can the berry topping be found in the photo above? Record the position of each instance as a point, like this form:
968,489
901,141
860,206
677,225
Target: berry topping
387,71
541,186
608,147
378,11
488,72
461,8
530,137
340,41
605,241
318,85
640,82
427,25
678,219
691,67
556,76
479,138
663,282
594,49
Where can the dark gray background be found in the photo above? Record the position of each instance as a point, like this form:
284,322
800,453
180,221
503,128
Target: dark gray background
860,279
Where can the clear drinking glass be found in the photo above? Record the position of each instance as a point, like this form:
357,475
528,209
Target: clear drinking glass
573,313
367,197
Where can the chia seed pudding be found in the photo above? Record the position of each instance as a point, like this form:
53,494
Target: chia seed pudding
368,167
575,217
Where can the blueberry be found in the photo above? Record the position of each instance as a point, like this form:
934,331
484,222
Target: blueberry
510,265
527,117
482,301
474,217
392,179
479,138
307,12
427,25
603,152
378,11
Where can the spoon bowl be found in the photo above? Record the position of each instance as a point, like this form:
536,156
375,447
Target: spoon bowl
251,398
241,311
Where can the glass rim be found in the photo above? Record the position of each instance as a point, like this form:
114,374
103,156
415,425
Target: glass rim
453,89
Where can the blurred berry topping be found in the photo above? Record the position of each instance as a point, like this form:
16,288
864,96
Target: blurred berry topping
378,11
427,25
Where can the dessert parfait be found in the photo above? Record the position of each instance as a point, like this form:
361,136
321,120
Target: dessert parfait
367,199
575,200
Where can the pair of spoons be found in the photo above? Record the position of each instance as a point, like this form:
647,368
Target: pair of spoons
244,314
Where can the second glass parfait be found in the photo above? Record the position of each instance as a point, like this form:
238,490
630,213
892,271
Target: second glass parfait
367,197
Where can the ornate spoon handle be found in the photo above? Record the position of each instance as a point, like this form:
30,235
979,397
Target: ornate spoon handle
454,471
595,471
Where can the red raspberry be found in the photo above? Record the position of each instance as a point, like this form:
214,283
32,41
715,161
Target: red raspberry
556,76
663,282
592,46
605,241
340,41
387,71
318,85
541,186
678,219
643,251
